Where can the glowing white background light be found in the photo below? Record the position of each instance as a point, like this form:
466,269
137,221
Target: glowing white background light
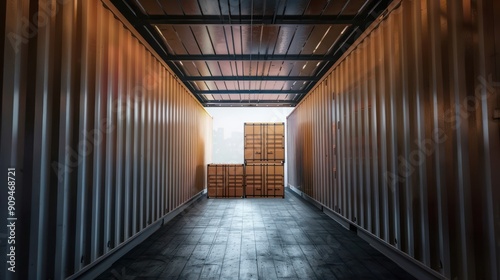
228,129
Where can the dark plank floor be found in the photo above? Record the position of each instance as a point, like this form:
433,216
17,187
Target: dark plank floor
254,239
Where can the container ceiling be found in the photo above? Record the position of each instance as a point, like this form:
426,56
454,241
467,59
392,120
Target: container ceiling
250,52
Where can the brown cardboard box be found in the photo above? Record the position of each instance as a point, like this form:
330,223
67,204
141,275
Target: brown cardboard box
264,142
225,180
264,180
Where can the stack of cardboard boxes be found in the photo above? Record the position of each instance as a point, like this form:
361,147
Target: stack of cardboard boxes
264,159
262,175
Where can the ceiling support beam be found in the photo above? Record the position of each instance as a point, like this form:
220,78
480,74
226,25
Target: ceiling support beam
248,19
252,57
253,91
249,103
250,78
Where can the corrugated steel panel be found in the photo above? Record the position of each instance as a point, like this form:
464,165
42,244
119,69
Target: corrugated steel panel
400,138
104,138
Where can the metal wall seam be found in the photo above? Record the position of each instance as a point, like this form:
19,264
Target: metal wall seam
110,122
349,204
459,90
312,159
135,95
97,183
65,140
159,139
126,113
153,152
372,101
392,42
330,145
342,158
166,140
180,145
338,141
174,143
422,246
119,138
315,180
163,143
87,92
316,184
186,147
171,158
320,141
177,145
408,97
184,153
173,146
149,146
312,140
41,165
185,150
365,140
358,127
489,130
180,154
323,142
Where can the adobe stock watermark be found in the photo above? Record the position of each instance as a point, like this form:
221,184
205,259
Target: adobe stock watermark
455,117
29,27
91,139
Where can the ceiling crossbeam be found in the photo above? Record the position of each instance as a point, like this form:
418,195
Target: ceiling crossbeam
248,19
250,78
247,91
252,57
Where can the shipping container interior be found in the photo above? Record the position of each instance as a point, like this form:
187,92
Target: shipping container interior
394,138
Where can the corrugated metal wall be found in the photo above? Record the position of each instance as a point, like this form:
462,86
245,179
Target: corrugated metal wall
405,121
104,139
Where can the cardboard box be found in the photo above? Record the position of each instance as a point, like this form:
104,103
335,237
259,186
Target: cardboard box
225,180
264,180
264,142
